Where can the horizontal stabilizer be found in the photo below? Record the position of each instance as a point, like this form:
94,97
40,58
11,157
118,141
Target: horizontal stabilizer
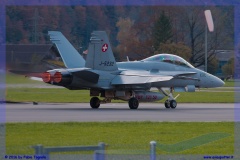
70,56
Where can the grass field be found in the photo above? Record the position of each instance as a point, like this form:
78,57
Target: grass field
121,137
229,83
19,79
65,95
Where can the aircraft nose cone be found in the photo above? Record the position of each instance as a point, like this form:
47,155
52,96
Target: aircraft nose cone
217,82
220,82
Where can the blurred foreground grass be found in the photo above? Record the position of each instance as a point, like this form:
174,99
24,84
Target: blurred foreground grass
121,137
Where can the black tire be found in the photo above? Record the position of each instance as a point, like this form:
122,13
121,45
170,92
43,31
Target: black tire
95,102
173,104
167,104
133,103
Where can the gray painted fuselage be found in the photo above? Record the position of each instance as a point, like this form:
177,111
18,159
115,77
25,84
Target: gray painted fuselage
200,79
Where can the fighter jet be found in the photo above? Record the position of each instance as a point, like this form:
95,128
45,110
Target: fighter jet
130,81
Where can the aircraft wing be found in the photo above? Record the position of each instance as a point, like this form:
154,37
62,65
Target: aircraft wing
138,77
123,79
177,74
159,73
143,77
180,75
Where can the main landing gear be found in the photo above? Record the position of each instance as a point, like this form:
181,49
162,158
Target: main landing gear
133,103
95,102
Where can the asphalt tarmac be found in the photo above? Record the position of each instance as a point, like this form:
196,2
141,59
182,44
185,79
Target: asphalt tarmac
81,112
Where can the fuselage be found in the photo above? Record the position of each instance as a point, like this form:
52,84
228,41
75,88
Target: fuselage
183,75
201,79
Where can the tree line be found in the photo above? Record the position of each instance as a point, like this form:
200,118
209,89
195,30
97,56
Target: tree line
134,31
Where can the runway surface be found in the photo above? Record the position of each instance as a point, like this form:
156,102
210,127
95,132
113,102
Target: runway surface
81,112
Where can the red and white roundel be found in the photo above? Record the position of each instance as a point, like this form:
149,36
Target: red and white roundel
104,47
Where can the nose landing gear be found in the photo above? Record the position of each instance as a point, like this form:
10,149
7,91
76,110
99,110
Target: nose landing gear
170,104
171,101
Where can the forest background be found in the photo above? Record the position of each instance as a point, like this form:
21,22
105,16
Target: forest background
134,31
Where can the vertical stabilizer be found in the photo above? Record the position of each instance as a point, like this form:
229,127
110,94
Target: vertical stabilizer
100,55
70,56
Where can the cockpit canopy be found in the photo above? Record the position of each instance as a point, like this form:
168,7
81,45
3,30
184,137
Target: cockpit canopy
169,58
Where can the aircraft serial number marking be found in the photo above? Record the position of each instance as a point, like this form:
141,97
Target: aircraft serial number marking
106,63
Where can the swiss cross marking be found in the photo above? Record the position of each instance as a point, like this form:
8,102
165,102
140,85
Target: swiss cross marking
105,47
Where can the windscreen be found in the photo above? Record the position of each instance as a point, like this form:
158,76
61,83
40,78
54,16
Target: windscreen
169,58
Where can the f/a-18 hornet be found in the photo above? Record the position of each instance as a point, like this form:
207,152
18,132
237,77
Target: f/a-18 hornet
131,80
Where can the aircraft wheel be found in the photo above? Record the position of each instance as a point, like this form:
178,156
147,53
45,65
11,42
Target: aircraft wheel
133,103
173,104
95,102
167,104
